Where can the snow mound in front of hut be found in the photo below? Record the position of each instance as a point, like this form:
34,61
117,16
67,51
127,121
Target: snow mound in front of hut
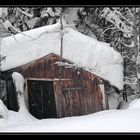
3,110
135,104
104,121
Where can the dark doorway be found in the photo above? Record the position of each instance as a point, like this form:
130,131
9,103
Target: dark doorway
41,99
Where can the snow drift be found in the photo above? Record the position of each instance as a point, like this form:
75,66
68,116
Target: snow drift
127,120
94,56
3,110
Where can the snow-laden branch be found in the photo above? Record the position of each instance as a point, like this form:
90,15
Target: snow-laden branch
7,25
117,12
130,12
129,83
113,17
96,68
130,46
3,12
25,13
132,77
67,65
128,58
130,80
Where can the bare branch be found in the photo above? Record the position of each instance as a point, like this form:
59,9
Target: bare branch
118,42
123,17
107,30
128,58
130,78
129,83
130,12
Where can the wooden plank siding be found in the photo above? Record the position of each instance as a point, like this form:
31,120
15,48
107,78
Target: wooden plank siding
75,102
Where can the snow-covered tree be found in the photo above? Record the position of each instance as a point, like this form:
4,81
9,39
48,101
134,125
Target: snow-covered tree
119,27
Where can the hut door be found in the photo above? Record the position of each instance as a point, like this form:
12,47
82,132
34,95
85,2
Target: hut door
41,99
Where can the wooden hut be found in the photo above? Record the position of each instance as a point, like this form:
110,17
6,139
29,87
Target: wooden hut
57,86
77,93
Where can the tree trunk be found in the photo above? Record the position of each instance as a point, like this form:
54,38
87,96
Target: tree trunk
136,50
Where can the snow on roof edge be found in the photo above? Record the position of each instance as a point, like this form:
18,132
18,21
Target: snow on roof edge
73,42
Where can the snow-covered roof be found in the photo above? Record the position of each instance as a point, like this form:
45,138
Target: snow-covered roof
94,56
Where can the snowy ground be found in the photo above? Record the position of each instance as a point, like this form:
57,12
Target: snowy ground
105,121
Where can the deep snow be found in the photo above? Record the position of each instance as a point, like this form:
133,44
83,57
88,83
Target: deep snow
94,56
127,120
3,110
